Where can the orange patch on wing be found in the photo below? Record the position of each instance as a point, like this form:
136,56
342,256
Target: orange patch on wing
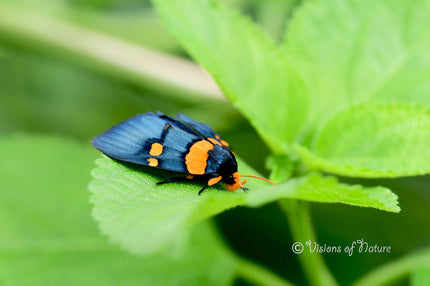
223,142
156,149
213,181
190,177
196,159
214,141
152,162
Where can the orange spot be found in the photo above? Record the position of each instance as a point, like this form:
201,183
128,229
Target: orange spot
196,159
190,177
152,162
223,142
213,181
214,141
166,126
156,149
237,183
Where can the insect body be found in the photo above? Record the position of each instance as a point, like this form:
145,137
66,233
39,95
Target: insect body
184,147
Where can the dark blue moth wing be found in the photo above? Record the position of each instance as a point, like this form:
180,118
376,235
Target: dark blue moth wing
133,141
177,123
202,128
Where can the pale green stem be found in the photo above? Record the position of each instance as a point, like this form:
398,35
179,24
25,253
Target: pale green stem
248,270
298,215
258,275
104,53
395,270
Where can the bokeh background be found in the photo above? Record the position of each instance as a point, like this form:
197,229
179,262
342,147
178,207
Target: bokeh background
53,82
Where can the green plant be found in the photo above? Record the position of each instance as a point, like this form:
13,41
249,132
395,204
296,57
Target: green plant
343,95
321,102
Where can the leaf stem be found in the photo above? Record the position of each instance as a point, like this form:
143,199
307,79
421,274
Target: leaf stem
246,269
395,270
258,275
299,218
104,53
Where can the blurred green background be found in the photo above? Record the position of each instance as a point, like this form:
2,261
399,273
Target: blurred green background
52,87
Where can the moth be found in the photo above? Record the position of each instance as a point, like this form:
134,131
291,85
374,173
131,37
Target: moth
189,149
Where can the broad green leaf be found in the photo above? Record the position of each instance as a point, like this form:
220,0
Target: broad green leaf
49,238
251,70
317,188
421,276
281,167
349,51
146,218
416,263
373,140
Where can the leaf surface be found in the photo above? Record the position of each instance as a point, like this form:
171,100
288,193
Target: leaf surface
49,238
361,50
421,276
146,218
373,140
317,188
250,69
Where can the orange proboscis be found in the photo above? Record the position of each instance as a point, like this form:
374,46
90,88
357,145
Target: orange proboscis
252,176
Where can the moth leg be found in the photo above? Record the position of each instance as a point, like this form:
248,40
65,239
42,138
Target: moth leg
215,179
204,188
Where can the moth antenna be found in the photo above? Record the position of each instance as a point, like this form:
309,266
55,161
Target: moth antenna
252,176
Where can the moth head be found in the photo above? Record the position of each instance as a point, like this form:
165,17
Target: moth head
233,183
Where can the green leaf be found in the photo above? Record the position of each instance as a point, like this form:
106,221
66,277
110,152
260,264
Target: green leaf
373,140
49,238
421,276
349,51
281,167
416,263
317,188
144,217
147,218
252,72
